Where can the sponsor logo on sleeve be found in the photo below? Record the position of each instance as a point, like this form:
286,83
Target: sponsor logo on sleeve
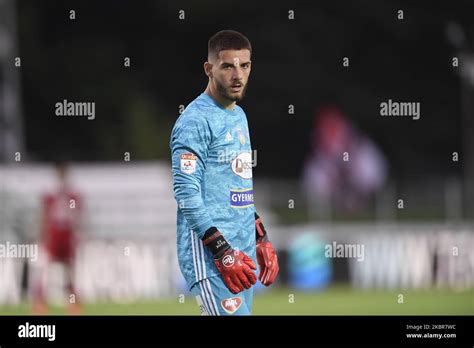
231,305
241,198
188,163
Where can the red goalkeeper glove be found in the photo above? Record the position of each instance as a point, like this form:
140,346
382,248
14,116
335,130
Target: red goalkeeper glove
236,267
266,256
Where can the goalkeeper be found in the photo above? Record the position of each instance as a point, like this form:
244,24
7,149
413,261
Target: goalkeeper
220,237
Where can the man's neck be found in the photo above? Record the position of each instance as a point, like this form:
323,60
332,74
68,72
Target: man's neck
226,103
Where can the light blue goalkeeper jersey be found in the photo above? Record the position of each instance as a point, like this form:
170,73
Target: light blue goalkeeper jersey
212,182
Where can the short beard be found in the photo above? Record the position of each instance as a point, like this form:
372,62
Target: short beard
223,92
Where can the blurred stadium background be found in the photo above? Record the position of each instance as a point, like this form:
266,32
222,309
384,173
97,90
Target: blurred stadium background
329,169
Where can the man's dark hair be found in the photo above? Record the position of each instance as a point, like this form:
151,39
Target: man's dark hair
227,40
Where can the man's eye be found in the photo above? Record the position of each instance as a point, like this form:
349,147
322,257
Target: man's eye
227,67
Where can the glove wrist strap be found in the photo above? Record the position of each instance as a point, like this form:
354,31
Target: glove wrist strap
215,242
260,233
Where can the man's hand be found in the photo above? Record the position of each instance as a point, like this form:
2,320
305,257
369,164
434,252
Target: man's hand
266,256
268,263
237,270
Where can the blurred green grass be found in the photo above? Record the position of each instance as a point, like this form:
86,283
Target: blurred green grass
336,300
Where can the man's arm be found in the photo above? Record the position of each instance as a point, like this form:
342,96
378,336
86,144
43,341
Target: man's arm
189,144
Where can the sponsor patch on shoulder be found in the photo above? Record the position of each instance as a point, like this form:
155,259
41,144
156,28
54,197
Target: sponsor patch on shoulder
188,163
231,305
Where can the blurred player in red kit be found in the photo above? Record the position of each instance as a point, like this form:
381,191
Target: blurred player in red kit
60,218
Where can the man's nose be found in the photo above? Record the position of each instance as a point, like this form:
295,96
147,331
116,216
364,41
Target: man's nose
237,73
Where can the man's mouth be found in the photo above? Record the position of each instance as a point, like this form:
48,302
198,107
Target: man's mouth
236,87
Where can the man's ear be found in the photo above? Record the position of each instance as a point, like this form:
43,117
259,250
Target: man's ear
208,69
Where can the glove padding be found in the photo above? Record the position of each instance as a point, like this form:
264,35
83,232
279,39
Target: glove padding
236,269
267,261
